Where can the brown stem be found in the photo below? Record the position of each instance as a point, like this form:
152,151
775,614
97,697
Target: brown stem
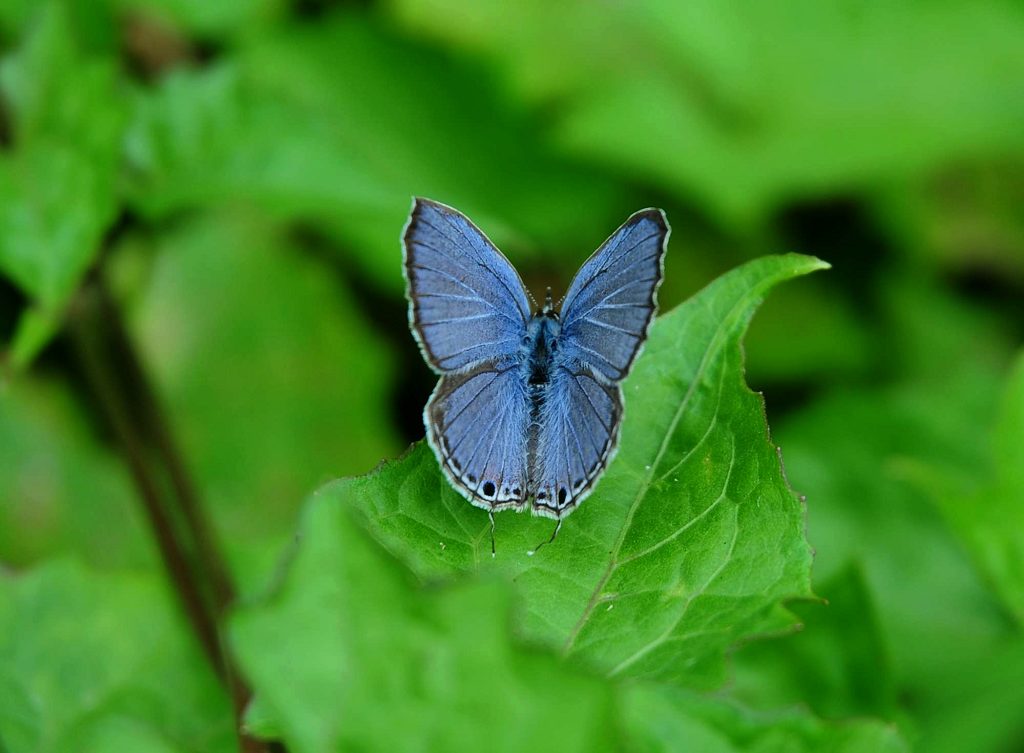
89,340
125,398
152,421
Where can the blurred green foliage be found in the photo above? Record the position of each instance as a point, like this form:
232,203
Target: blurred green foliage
239,172
100,662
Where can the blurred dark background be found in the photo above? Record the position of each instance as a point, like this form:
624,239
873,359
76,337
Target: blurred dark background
235,177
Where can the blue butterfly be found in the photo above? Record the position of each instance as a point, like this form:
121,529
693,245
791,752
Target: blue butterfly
528,406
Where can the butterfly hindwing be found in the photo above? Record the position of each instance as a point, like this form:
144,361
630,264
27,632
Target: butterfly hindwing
477,423
579,431
466,301
612,299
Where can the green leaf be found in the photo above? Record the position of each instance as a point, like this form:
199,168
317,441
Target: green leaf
858,455
837,663
349,654
273,376
57,184
980,708
689,543
62,491
986,508
91,662
1007,524
58,89
55,205
669,720
932,606
92,22
33,331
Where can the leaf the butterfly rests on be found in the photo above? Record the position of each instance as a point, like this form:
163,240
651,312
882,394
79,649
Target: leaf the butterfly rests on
528,407
693,539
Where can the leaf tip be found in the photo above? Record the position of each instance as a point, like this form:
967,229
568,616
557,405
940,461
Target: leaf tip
805,264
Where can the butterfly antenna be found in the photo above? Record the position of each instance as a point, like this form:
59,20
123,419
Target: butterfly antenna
558,527
490,514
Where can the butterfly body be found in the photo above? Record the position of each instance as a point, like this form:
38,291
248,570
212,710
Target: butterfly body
540,346
528,406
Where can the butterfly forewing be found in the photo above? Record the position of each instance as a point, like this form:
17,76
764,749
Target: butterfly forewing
466,301
612,299
477,423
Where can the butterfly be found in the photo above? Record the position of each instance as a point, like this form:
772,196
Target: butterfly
528,405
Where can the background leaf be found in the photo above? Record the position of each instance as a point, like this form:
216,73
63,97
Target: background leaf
57,186
102,663
990,519
61,492
838,663
669,719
